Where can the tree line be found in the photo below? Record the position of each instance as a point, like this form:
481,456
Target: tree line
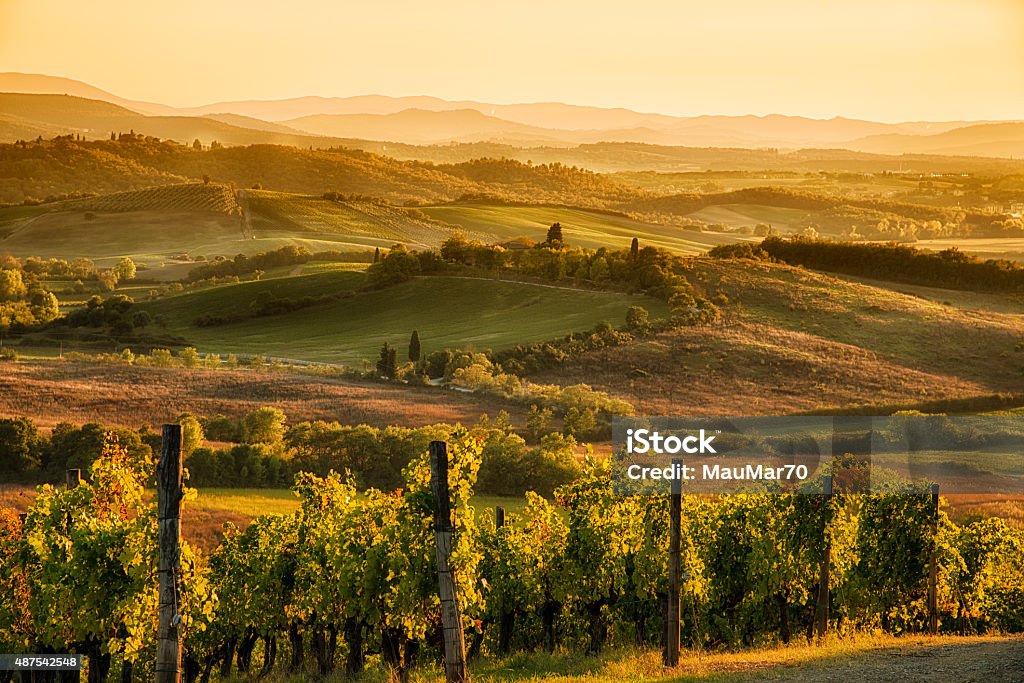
951,268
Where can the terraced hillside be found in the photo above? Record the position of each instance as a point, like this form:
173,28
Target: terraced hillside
793,340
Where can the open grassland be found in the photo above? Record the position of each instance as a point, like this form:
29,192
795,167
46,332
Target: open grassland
52,391
985,247
993,302
793,340
591,229
148,237
448,312
149,225
749,215
181,310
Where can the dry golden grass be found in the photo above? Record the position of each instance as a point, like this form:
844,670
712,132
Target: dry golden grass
52,391
792,340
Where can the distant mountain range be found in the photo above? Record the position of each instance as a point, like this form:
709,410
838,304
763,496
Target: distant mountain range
40,108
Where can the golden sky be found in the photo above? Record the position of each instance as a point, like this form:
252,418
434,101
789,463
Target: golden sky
886,60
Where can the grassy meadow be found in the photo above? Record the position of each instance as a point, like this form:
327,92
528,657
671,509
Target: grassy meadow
584,228
448,312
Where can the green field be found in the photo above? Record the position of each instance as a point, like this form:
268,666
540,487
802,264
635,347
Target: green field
351,224
447,311
591,229
749,215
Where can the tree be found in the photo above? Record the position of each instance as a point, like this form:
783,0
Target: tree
12,286
265,425
206,176
376,255
634,249
554,234
196,145
387,364
414,347
44,305
20,445
107,280
637,318
125,269
191,433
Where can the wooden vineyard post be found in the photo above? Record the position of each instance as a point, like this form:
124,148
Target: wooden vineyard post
821,611
169,494
933,569
72,478
505,620
674,569
451,619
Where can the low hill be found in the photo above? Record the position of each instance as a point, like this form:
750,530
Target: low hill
14,82
64,165
27,116
591,229
447,312
149,225
185,197
156,224
418,127
793,340
990,139
353,223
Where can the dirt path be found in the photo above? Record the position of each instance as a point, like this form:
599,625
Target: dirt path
973,661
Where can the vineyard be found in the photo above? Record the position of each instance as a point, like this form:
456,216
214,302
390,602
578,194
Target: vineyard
186,197
349,581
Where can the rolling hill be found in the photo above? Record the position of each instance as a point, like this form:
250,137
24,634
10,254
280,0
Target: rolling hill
148,225
60,166
991,139
793,340
409,120
26,116
590,229
447,312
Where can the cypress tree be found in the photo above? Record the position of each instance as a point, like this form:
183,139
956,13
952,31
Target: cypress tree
387,363
414,347
634,249
555,234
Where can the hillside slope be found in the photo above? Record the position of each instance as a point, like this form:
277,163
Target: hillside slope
65,165
793,340
447,311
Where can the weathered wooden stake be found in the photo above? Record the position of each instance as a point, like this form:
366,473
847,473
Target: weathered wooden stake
499,516
169,494
74,478
674,569
933,569
821,612
451,618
